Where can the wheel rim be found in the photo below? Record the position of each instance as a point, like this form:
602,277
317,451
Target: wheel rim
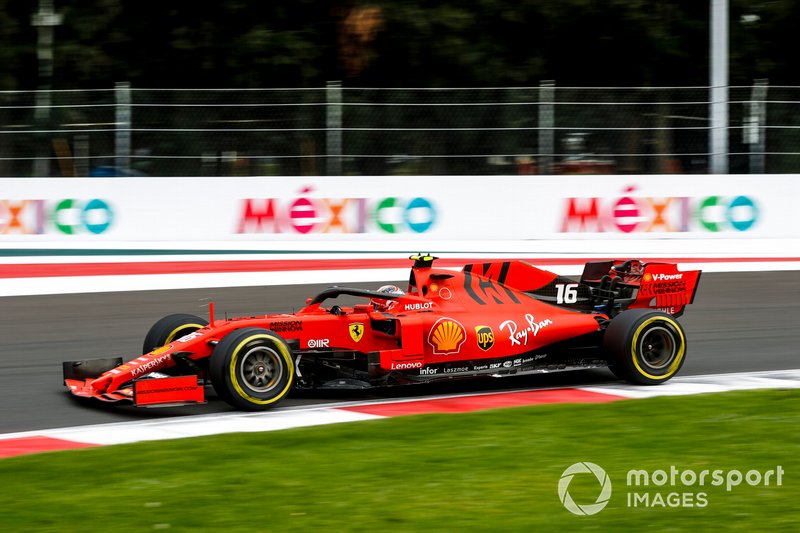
657,347
181,331
261,369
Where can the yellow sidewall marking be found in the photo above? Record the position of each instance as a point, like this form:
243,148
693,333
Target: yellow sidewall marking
174,333
678,357
284,352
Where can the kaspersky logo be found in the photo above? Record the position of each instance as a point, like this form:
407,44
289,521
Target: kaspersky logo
584,509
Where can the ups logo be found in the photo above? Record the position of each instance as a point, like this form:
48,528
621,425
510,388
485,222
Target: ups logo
485,337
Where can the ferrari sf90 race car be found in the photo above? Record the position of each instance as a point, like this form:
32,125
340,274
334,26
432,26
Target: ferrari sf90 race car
493,319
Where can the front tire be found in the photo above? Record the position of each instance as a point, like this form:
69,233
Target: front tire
252,369
645,347
170,328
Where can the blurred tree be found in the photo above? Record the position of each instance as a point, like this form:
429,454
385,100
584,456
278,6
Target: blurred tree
358,28
577,42
89,44
189,44
17,46
764,42
239,43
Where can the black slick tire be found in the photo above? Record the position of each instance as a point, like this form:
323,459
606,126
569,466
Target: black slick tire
170,328
645,347
252,369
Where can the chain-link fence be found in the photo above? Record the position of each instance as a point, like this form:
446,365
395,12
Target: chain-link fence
340,130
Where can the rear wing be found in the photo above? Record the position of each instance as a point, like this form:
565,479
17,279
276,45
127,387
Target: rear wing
664,288
632,284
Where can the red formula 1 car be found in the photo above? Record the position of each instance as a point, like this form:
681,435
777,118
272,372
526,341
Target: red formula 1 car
491,319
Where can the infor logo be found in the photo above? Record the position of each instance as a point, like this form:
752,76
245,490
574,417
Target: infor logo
602,498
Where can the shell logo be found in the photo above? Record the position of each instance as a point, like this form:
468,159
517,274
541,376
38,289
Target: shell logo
447,336
161,349
647,278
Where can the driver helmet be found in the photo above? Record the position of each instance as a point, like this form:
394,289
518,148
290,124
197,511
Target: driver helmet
384,305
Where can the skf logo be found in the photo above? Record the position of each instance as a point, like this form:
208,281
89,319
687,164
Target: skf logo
485,337
447,336
356,331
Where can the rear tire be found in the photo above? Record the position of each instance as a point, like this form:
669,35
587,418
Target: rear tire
252,369
645,347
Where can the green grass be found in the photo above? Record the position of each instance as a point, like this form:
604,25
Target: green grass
488,471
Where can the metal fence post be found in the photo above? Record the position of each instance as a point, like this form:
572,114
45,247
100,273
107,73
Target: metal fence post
122,140
334,129
44,20
546,125
754,131
718,139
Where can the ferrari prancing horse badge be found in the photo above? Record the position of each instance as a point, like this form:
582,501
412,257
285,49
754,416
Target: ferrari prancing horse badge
356,331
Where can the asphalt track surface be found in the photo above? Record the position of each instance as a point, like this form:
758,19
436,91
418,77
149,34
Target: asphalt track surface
740,322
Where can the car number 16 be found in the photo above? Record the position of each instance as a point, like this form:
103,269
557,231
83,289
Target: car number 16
566,293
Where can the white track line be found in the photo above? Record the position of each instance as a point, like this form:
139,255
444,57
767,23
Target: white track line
285,418
782,379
